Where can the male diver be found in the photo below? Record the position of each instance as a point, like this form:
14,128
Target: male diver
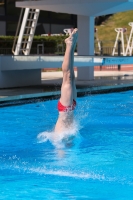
67,101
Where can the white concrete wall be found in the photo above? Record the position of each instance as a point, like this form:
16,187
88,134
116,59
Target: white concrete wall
21,78
18,78
2,28
85,45
86,35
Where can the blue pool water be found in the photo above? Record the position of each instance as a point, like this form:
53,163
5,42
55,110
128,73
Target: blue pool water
99,166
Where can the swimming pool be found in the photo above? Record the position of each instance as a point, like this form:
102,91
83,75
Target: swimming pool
98,166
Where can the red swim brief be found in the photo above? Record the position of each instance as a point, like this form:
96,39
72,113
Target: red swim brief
62,108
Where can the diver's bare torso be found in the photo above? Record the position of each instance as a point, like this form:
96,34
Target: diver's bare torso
64,122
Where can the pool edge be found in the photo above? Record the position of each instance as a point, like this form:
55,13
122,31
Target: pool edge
28,98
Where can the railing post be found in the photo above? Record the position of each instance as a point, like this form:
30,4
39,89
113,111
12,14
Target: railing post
101,52
119,52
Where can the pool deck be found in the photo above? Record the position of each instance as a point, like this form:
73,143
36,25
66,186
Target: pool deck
104,81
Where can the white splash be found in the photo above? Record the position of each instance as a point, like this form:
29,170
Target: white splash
59,140
64,173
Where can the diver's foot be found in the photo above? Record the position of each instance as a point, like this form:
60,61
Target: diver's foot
72,39
76,37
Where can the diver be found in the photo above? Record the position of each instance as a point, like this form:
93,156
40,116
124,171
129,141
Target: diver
67,101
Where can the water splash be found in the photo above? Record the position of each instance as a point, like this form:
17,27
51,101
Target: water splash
63,173
60,140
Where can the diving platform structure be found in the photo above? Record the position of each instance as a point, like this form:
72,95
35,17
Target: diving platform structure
25,70
25,31
127,49
42,62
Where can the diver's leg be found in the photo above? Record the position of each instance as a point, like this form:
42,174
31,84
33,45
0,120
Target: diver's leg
67,68
73,75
